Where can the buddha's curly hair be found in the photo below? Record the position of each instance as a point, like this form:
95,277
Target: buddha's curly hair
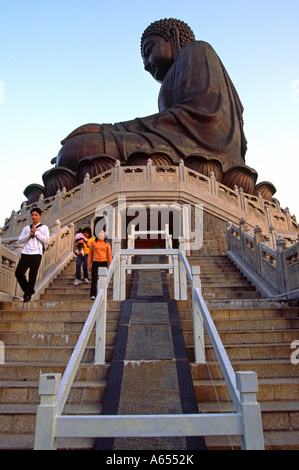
161,27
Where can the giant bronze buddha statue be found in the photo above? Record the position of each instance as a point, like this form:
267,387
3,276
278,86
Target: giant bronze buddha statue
199,118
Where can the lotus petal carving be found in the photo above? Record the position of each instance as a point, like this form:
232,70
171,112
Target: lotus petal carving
204,165
242,176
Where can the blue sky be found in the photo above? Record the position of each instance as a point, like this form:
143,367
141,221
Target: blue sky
66,62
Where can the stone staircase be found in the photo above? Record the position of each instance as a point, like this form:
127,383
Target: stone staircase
39,337
257,334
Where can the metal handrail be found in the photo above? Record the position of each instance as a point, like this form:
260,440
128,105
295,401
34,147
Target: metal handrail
242,385
75,360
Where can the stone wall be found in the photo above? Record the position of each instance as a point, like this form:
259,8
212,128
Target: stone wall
214,235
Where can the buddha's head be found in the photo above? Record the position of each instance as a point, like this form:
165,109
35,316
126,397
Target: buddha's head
161,43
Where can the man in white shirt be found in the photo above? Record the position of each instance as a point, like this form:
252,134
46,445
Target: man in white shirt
35,237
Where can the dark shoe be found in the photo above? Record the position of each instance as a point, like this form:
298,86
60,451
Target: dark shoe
27,298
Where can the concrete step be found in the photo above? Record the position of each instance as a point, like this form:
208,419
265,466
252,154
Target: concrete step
42,353
274,440
252,351
64,297
272,368
21,418
255,324
68,283
211,261
44,329
238,293
56,305
26,442
46,316
56,310
72,292
48,354
20,392
276,416
235,294
246,338
211,282
185,308
270,389
47,338
20,371
226,288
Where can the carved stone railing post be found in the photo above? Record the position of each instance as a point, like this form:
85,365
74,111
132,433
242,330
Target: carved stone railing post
12,223
258,238
243,228
273,233
280,268
0,246
182,171
149,171
260,200
40,202
242,199
57,202
182,273
56,229
247,385
116,277
288,217
24,212
86,185
199,342
49,386
116,172
213,185
269,220
100,341
72,230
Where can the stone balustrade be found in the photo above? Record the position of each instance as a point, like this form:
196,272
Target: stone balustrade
275,260
152,183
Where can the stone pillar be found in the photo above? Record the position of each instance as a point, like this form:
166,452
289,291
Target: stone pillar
149,171
182,171
213,185
280,268
243,228
258,238
116,172
86,186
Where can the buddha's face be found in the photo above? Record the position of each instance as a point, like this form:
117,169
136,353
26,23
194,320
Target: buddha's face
157,56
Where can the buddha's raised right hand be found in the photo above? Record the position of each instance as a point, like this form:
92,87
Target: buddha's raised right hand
85,129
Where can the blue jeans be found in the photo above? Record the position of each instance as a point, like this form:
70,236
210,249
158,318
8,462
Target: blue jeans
81,260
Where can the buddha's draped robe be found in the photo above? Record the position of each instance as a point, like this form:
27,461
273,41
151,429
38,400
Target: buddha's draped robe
199,112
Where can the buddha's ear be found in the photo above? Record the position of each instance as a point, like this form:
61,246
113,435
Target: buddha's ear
174,38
